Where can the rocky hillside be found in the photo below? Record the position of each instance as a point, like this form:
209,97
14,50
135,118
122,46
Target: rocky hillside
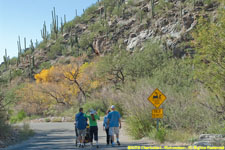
128,23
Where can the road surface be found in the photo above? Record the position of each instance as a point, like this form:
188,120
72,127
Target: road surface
61,136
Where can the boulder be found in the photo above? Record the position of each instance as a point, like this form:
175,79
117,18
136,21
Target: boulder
211,6
126,22
100,10
211,136
210,140
66,36
132,35
203,143
145,9
188,20
162,22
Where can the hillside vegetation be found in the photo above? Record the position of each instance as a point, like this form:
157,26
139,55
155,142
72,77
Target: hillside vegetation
117,53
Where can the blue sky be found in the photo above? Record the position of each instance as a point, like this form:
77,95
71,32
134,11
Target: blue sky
25,18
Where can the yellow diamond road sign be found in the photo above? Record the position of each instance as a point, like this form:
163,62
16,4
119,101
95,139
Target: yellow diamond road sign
157,98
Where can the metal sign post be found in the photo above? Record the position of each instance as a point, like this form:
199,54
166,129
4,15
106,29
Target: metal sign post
157,98
157,125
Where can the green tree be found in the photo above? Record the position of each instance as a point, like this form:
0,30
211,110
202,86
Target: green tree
209,41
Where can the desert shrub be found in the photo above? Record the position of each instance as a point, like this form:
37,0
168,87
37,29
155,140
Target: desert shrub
11,95
57,119
217,128
163,6
47,120
119,10
131,3
143,63
69,25
91,10
18,117
16,73
209,60
139,125
85,18
42,45
27,52
97,28
86,41
66,51
45,65
55,50
13,61
5,129
140,15
159,135
181,135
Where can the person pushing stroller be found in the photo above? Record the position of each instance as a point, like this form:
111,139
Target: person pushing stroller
81,123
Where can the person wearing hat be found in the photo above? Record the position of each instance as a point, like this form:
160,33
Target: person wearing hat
93,117
114,123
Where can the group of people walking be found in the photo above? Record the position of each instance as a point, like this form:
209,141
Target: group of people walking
111,125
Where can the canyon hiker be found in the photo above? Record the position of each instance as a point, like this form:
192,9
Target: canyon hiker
106,127
114,123
81,123
93,117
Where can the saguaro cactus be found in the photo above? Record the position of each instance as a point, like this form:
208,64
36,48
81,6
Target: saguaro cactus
62,25
31,46
63,22
76,12
5,59
55,27
19,51
10,76
33,63
44,33
153,8
36,43
19,46
181,9
64,19
25,47
105,11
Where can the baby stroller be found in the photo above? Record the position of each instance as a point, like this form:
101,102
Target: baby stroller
87,137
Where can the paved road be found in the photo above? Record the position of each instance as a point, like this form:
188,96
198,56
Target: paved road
60,136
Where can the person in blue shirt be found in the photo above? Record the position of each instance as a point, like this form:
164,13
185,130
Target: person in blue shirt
81,123
106,127
114,123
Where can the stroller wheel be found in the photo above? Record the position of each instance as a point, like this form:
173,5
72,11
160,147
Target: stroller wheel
76,143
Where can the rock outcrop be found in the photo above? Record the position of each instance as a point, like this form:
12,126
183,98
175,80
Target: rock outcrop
170,26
